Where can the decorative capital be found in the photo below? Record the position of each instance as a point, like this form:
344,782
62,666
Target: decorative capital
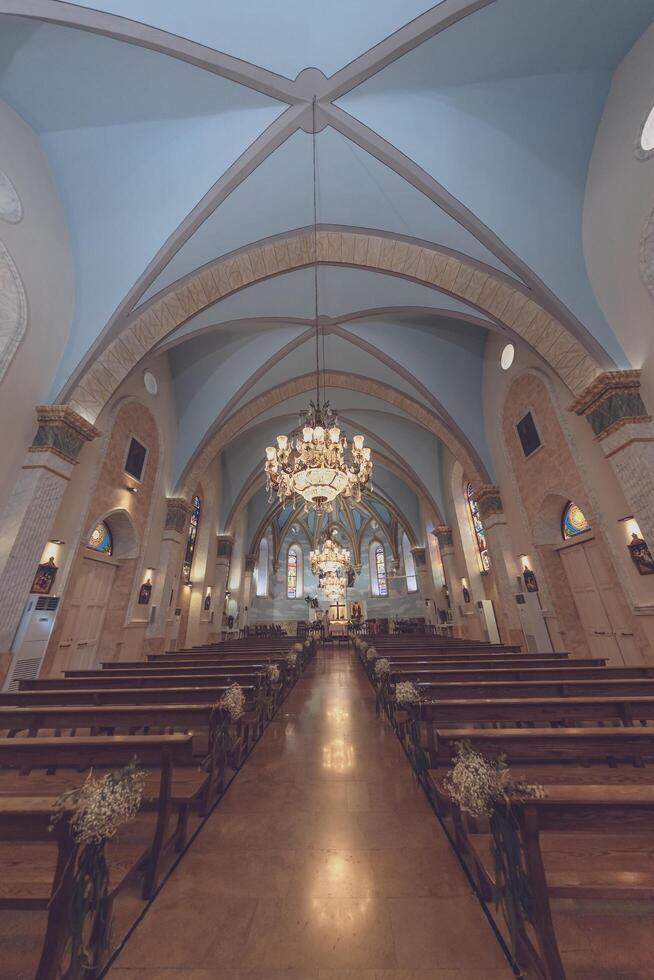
443,534
419,557
224,546
250,562
488,500
61,431
177,511
612,400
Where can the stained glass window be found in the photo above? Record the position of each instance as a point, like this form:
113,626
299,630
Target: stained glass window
192,536
101,539
380,567
573,521
480,534
291,574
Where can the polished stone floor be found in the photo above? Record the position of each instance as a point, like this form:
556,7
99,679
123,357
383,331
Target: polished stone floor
322,862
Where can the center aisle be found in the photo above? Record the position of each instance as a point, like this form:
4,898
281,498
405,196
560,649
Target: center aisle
322,862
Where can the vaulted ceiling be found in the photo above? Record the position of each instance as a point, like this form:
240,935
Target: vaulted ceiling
181,133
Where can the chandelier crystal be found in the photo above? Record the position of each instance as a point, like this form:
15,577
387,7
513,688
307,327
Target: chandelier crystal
332,585
319,465
329,557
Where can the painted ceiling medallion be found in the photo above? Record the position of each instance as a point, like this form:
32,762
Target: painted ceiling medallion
320,465
11,209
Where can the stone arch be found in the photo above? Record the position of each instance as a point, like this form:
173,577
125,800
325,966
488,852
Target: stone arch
507,301
123,532
13,310
336,379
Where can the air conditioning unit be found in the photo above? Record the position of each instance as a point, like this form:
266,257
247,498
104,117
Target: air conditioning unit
31,640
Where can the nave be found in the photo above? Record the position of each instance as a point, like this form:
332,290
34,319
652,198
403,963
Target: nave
323,861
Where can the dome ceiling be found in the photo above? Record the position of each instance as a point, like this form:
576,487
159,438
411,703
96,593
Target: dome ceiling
179,134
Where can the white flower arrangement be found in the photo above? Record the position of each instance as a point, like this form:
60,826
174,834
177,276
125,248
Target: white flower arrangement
371,654
234,701
382,667
406,693
101,806
272,673
477,783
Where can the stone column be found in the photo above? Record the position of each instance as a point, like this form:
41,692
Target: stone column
246,590
169,570
615,410
443,534
33,504
224,545
425,583
498,543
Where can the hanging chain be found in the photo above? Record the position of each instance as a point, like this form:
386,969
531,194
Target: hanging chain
315,253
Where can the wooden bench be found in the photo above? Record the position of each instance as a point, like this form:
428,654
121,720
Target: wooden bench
50,766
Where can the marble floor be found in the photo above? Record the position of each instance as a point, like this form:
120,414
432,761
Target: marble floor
322,862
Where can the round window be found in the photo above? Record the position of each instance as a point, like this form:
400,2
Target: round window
150,383
645,141
506,359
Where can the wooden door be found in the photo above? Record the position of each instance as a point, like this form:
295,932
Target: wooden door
85,612
588,599
604,577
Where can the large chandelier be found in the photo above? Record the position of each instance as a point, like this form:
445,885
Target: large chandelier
332,585
329,557
319,465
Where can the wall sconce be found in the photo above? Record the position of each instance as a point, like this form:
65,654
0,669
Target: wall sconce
56,541
132,489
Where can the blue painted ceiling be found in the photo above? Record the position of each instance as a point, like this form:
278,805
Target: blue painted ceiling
500,108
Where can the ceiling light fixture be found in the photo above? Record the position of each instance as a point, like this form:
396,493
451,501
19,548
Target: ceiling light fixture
329,557
319,465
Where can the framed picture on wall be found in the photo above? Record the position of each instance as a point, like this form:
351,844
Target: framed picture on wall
44,578
135,459
528,434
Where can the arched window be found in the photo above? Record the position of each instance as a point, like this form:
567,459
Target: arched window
573,521
101,539
378,579
294,572
262,568
478,528
409,566
192,536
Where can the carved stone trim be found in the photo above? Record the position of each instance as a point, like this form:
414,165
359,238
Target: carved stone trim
177,511
488,501
224,546
611,401
61,431
443,534
250,562
419,557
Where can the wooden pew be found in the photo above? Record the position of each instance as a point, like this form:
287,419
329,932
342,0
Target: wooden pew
37,872
552,687
163,757
599,817
564,673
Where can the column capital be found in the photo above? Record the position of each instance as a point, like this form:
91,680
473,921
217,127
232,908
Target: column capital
488,500
224,546
419,557
612,401
61,431
443,534
250,562
177,511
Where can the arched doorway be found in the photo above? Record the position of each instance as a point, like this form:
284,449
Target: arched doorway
112,539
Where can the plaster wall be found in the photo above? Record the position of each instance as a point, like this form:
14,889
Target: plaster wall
569,464
39,246
619,197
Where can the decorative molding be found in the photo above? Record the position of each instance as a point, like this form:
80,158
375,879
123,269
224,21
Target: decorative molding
178,510
250,563
419,558
61,431
443,534
13,308
612,401
11,208
224,546
488,291
488,500
647,251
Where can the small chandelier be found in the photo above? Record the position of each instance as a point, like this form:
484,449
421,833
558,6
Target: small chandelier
320,465
329,557
332,585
